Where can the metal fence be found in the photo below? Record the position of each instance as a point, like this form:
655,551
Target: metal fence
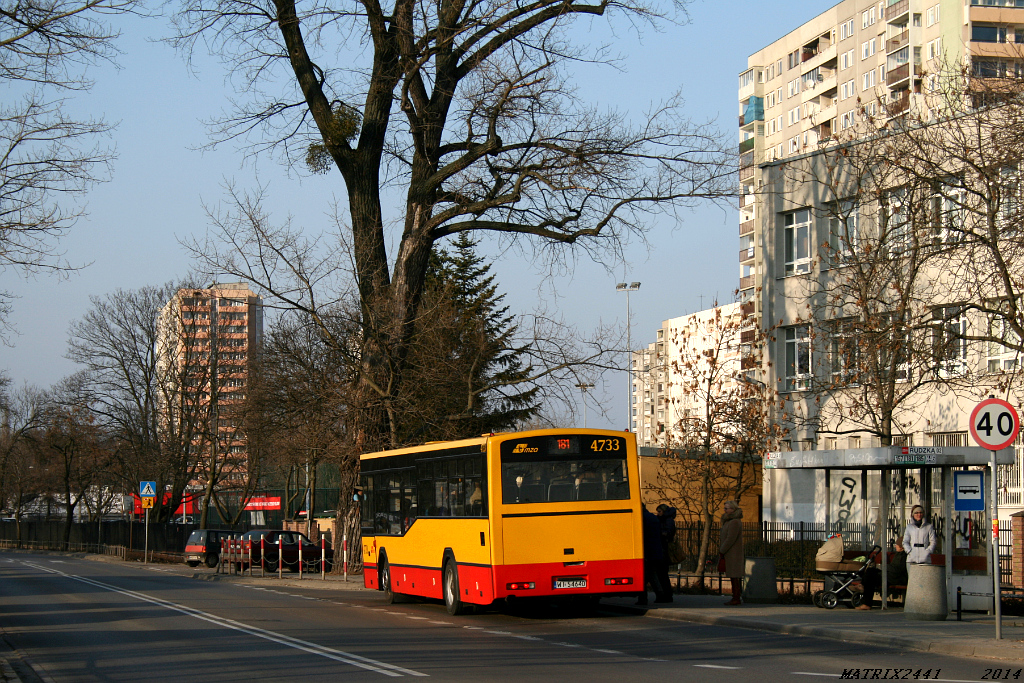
794,545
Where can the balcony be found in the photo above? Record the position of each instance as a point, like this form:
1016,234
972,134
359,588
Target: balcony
747,145
747,336
746,254
898,42
746,226
897,10
818,57
902,73
747,282
900,105
747,309
746,200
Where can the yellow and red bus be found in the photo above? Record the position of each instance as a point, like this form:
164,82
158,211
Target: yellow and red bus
543,513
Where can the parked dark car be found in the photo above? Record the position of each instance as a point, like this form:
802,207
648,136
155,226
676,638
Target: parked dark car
284,546
204,546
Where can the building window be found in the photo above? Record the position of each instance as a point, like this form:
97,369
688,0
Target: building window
867,48
844,351
846,29
895,236
843,230
1002,355
798,357
869,80
988,68
949,342
797,241
951,213
981,33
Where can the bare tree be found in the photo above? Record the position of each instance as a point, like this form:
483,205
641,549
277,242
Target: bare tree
463,110
136,374
72,449
720,421
47,158
20,416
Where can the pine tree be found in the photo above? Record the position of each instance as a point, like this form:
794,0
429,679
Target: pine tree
469,376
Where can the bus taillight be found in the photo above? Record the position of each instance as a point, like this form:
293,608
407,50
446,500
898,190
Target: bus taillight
624,581
521,586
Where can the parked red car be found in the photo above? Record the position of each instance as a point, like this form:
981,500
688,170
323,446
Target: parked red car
283,546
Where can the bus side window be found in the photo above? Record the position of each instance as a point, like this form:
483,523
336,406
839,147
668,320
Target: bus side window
409,501
426,496
366,506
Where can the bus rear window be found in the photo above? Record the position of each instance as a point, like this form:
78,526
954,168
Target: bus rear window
562,469
566,480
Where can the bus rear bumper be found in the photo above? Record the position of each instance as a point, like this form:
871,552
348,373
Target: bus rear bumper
601,577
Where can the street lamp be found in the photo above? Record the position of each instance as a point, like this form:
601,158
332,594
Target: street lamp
627,288
583,386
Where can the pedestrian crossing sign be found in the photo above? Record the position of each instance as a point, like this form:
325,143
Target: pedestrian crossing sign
147,489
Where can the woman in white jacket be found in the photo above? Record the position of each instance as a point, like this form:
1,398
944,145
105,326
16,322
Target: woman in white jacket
919,538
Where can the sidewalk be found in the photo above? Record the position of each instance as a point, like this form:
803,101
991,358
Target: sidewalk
972,637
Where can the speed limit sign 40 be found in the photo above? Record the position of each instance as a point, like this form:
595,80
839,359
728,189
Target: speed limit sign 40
994,424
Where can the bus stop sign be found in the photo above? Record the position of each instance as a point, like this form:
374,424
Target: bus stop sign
969,491
994,424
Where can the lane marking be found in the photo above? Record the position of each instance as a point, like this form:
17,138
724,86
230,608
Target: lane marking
409,616
715,666
607,652
280,638
446,623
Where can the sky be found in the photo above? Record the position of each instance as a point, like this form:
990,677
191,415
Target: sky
164,176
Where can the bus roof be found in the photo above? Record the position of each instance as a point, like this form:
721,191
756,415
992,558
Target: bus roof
483,438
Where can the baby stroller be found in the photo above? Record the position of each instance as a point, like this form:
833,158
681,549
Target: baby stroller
839,577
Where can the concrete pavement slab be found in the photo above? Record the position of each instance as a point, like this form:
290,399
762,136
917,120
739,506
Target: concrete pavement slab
972,637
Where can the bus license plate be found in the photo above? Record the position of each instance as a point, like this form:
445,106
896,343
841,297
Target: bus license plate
570,583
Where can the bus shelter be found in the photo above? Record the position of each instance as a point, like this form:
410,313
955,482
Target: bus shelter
871,491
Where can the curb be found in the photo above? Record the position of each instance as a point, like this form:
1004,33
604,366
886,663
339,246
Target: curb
316,584
950,646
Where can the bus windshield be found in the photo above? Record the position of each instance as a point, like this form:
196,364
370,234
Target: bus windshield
562,469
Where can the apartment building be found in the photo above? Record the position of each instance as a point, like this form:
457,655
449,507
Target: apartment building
856,65
207,336
855,69
664,371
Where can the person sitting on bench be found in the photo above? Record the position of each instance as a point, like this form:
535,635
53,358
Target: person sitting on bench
896,574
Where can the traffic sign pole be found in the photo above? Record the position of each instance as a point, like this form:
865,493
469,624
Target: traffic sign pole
996,587
145,549
994,425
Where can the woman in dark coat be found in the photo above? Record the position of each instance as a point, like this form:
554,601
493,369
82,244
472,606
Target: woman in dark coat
667,526
731,548
654,557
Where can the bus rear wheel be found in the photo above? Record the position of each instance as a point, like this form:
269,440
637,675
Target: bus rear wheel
385,583
451,590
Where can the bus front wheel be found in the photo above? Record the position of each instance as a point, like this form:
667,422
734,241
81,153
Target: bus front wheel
451,590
